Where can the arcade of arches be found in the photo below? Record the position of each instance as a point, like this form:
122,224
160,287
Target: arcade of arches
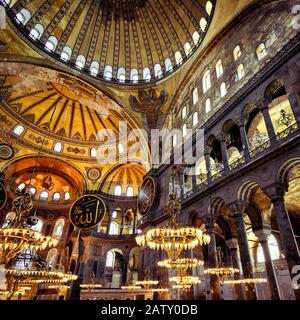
82,86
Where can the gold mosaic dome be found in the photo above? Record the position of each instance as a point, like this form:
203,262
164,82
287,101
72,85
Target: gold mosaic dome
124,41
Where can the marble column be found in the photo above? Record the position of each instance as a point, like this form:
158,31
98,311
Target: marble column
134,222
207,164
125,270
294,100
233,247
222,139
276,194
108,223
272,279
213,263
244,138
238,209
122,223
264,108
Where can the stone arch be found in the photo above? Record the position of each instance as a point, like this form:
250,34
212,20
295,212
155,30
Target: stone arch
285,169
272,88
225,227
247,110
246,190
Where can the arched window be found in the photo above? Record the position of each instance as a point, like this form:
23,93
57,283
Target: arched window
44,195
94,69
195,96
56,196
195,118
134,75
93,152
121,148
66,53
206,82
118,191
174,140
273,248
23,16
51,43
32,191
21,186
157,70
208,7
203,24
168,65
183,113
67,196
121,75
110,259
108,72
223,89
80,62
8,219
207,106
52,258
130,192
178,57
57,147
114,214
219,68
187,48
39,226
261,51
114,228
58,228
184,130
146,74
196,37
18,130
37,31
237,52
240,72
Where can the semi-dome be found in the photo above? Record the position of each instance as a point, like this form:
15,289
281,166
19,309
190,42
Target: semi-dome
129,41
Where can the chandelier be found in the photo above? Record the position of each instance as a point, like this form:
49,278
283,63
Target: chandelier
182,263
246,281
17,235
173,238
16,279
91,286
221,270
147,282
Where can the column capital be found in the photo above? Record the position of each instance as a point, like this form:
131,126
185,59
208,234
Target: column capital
237,207
232,243
275,191
263,234
241,122
221,137
263,104
207,151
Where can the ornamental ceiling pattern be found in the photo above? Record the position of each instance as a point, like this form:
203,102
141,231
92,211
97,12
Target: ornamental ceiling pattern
129,34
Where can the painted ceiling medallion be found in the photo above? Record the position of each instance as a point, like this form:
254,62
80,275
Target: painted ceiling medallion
6,152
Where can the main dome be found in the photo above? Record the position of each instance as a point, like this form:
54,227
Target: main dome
125,41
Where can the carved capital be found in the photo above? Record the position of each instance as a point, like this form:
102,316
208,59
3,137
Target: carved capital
262,104
263,234
232,244
276,192
221,137
237,207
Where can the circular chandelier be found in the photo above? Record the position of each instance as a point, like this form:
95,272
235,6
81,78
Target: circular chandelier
173,238
182,263
147,282
246,281
222,271
17,235
185,280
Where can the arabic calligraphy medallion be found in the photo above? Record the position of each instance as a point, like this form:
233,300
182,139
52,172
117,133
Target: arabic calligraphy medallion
87,212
